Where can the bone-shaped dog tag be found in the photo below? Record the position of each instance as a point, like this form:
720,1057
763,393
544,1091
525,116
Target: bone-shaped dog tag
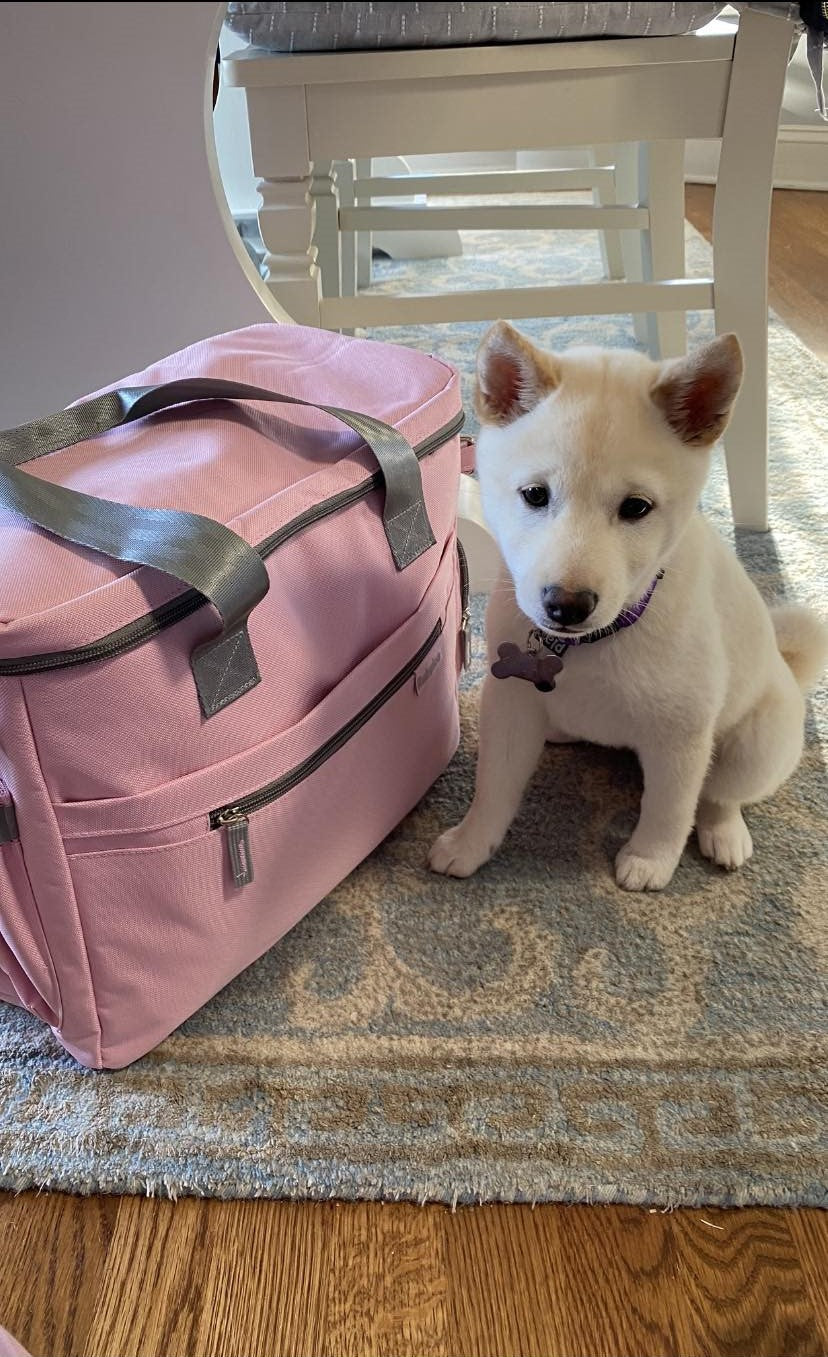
536,668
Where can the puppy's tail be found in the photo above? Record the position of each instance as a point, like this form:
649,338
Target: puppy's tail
802,638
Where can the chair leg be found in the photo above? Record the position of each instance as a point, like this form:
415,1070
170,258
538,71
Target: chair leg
347,239
287,211
323,191
741,227
286,219
624,157
661,189
363,171
611,255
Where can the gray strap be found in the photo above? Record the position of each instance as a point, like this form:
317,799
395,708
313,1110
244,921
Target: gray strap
404,515
204,554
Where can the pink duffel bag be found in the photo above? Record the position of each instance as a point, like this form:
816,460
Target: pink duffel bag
9,1347
231,626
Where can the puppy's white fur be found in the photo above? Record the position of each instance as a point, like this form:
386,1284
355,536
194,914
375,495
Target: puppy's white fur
707,686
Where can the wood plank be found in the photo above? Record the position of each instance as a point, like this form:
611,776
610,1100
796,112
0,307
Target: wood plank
265,1291
797,275
564,1280
503,1282
745,1290
151,1296
799,249
210,1277
386,1282
621,1292
52,1262
809,1231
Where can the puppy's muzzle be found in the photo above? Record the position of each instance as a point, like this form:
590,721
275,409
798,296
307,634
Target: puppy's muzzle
567,608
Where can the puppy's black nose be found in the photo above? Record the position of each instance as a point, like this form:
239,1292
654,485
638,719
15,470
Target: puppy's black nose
567,608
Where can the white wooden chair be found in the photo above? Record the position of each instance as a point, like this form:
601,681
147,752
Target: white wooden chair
306,111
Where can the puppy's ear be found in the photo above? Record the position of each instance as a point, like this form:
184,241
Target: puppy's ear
696,394
512,375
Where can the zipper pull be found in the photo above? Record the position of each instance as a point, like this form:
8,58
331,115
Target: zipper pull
465,601
466,643
8,819
236,828
467,455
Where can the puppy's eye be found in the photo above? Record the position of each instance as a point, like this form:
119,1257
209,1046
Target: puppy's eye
536,496
633,507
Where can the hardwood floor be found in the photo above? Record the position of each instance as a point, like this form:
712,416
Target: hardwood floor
121,1278
109,1277
798,263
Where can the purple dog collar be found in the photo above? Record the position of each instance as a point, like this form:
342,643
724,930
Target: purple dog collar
539,668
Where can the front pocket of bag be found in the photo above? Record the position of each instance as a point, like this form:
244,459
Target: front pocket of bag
177,905
25,960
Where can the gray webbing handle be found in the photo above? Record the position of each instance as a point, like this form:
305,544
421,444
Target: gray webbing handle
197,550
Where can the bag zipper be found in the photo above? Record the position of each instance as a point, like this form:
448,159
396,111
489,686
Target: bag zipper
234,820
465,620
143,628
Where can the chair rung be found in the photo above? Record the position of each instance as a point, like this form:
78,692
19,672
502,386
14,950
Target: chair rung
578,299
493,181
566,217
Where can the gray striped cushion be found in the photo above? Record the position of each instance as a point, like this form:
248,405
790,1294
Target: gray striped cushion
324,27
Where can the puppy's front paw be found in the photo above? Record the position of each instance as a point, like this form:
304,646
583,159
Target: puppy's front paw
459,853
636,873
727,843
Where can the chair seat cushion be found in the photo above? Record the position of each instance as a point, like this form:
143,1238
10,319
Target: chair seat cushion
325,27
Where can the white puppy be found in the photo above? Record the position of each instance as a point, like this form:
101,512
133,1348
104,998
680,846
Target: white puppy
591,464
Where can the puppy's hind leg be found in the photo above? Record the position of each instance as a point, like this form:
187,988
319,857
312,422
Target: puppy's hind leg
513,731
750,762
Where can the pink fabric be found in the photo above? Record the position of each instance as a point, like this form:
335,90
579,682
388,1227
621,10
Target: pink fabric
468,456
9,1347
117,877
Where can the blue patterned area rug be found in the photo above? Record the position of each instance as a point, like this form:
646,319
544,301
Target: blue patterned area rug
535,1033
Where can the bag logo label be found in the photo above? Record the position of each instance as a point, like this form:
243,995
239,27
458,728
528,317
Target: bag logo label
424,673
